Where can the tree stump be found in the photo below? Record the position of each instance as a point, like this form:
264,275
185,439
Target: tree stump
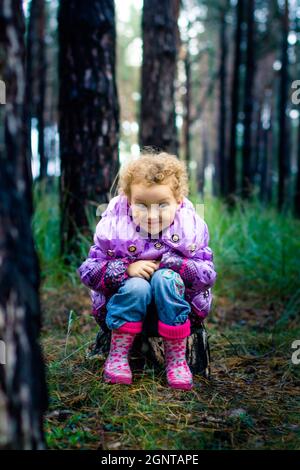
148,351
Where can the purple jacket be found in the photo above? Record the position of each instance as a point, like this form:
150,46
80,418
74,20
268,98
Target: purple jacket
182,247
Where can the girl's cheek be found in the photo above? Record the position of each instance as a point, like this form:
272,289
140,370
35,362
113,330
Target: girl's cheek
168,217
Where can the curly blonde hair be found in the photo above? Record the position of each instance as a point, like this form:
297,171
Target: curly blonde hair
150,168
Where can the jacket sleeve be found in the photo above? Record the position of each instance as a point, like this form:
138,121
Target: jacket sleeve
198,273
102,275
98,272
197,269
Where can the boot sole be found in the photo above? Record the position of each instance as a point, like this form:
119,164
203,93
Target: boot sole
182,386
117,380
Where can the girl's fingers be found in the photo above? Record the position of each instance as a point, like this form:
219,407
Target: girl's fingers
154,264
145,275
148,269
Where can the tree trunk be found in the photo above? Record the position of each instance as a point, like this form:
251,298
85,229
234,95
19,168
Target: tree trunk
232,180
221,163
160,41
23,395
297,188
42,87
283,147
247,177
89,113
187,110
266,151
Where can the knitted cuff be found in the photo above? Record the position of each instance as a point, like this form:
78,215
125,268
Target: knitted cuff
132,327
176,331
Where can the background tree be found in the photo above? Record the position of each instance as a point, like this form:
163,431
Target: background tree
247,176
36,71
235,90
89,113
160,44
23,397
283,147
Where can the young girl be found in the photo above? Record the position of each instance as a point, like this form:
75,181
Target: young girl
150,244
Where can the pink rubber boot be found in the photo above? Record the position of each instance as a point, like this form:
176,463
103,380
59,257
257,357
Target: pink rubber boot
175,338
116,367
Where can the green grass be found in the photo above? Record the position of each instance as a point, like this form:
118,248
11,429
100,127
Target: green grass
256,251
251,400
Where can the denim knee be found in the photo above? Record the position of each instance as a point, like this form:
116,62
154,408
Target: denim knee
129,304
161,276
138,286
168,290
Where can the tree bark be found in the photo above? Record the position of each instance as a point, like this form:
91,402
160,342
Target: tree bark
187,110
42,87
89,113
232,179
221,161
23,395
297,188
247,177
283,147
160,42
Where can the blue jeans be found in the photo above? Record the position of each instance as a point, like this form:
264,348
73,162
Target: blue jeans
131,302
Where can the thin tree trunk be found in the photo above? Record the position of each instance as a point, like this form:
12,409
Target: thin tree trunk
297,188
30,74
89,113
42,87
187,110
283,148
247,177
221,163
204,160
160,43
232,179
23,396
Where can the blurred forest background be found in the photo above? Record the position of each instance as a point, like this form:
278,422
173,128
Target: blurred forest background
230,69
89,84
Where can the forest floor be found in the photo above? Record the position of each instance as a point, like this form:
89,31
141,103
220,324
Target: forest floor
250,402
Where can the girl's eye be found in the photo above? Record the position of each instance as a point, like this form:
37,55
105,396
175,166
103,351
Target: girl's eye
143,206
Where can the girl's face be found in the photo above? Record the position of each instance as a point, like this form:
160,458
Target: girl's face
153,208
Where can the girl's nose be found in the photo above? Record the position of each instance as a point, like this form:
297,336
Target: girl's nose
153,213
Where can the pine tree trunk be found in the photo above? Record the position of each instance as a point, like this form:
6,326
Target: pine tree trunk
23,395
247,177
221,162
89,113
232,177
187,110
297,187
283,147
160,42
41,88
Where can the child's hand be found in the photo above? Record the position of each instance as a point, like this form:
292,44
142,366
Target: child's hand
143,268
